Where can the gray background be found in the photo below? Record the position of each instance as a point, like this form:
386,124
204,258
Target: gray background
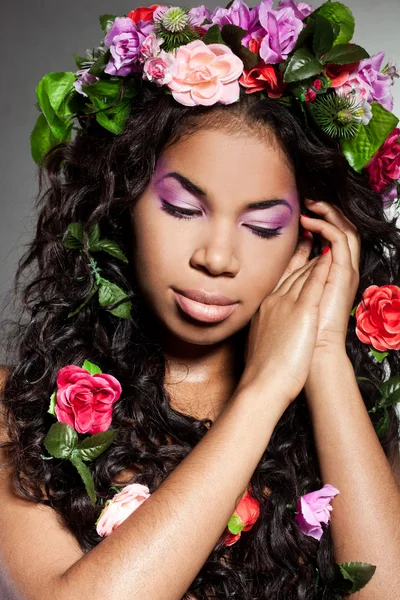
40,37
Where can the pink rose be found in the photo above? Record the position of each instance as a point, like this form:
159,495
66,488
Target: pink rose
157,68
378,317
205,74
85,401
150,47
313,509
117,509
384,168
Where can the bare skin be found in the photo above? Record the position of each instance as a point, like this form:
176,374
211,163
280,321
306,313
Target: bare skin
159,549
215,252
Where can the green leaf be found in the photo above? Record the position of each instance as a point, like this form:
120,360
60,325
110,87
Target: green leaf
378,355
235,524
60,440
358,573
79,60
91,447
363,146
324,35
41,139
232,36
106,22
390,390
302,65
338,13
382,425
109,293
213,35
110,247
97,68
85,475
343,54
52,92
74,236
353,312
306,33
94,235
53,402
91,367
114,119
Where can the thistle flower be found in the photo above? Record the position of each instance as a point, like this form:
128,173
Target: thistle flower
175,26
338,115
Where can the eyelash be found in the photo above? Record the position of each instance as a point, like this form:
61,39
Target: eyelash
186,213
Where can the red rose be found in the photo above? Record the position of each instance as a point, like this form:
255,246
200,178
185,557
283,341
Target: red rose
246,513
384,168
263,77
143,13
85,401
378,317
254,45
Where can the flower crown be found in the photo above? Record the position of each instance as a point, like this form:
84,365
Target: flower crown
298,56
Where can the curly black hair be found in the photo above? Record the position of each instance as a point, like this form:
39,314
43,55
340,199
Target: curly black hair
95,179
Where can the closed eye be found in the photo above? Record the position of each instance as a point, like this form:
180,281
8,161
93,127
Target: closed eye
187,213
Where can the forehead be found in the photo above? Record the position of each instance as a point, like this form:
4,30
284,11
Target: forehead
239,166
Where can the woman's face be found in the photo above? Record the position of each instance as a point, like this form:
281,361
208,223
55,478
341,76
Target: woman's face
193,229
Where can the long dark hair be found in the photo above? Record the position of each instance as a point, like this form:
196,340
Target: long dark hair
95,179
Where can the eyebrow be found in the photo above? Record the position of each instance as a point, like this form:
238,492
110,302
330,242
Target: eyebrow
195,189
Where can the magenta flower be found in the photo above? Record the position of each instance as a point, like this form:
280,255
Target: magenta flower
281,30
85,78
313,509
124,40
384,168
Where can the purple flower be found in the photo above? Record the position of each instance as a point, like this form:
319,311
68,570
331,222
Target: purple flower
85,78
301,10
390,196
124,40
378,83
198,14
314,509
241,15
281,30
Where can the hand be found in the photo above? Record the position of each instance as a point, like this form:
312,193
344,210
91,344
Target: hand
343,279
283,332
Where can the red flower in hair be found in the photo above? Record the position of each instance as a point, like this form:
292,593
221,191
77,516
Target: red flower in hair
143,13
263,77
243,519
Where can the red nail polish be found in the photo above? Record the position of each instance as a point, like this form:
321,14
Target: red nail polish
303,215
325,250
307,233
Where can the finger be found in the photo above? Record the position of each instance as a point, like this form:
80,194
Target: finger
334,215
297,287
314,286
338,240
298,260
288,282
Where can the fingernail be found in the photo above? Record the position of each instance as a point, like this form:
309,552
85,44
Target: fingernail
303,215
325,250
307,233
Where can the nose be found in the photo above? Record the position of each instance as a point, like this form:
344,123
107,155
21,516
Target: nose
216,253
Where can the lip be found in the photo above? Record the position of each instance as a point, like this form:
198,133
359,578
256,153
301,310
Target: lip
214,298
208,313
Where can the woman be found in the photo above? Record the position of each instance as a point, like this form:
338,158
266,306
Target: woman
260,388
